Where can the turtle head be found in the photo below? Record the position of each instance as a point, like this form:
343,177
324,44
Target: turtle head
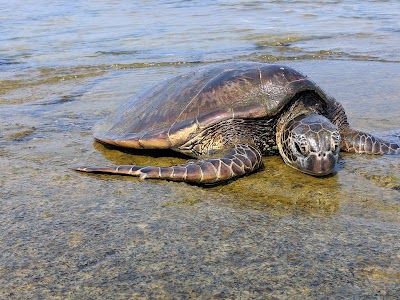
310,143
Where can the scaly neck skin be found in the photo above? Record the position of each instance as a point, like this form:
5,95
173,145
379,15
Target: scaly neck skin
296,109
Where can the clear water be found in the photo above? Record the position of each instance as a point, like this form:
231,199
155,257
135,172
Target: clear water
275,234
55,33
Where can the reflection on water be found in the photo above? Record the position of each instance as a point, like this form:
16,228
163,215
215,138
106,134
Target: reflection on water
275,234
56,41
272,187
84,32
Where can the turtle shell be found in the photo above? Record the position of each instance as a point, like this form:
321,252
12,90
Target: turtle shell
166,115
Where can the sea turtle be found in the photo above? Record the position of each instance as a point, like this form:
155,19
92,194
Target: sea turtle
228,116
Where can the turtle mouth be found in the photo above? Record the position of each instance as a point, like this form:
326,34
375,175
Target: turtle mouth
320,164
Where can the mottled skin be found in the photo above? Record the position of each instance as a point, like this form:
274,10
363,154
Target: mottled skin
228,116
239,161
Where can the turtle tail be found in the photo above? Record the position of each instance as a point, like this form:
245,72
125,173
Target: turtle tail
239,161
365,143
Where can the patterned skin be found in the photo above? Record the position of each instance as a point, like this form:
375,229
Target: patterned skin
228,116
310,144
364,143
241,160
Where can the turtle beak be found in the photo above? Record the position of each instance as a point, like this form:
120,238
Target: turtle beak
320,163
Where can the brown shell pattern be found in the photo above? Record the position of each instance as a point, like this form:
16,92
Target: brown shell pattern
168,113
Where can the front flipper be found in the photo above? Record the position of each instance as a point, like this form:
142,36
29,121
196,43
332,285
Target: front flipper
361,142
241,160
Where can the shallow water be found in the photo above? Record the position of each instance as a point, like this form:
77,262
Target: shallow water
274,234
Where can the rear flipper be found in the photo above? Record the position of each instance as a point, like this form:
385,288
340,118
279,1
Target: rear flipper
361,142
241,160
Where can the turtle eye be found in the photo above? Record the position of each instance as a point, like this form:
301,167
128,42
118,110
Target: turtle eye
336,142
335,147
301,148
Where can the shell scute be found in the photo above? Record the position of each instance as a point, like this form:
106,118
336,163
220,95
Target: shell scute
167,114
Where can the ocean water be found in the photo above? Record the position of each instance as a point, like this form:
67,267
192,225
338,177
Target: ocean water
276,234
62,33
